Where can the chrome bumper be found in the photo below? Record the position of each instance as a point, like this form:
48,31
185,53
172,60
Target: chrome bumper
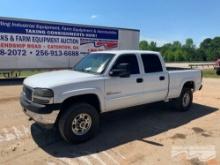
44,119
42,114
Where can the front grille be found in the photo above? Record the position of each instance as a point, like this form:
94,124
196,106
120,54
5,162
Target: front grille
28,92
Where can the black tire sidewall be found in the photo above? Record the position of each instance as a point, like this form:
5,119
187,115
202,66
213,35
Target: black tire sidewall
65,125
179,102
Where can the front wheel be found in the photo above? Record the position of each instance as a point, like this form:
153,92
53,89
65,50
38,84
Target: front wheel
184,102
79,123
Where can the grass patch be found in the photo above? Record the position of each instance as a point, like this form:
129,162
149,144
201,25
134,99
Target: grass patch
30,73
21,74
210,73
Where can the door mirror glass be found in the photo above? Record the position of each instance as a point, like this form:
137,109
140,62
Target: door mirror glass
121,70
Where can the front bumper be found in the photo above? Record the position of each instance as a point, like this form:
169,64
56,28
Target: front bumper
42,114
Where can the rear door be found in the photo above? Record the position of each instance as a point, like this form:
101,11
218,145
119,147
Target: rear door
121,92
155,84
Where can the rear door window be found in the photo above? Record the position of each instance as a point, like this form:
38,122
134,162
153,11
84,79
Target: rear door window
151,63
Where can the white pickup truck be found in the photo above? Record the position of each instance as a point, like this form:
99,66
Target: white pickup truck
104,81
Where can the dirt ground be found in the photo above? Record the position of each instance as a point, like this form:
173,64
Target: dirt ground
152,134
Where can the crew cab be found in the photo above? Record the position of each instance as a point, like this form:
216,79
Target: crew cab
101,82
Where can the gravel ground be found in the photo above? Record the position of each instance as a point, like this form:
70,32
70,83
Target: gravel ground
150,134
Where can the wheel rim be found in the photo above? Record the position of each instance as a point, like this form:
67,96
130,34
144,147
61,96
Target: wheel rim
186,99
81,124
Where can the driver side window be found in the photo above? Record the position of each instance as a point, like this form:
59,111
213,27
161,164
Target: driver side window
132,62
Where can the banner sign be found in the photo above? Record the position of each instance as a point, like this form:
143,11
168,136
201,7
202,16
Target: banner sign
33,38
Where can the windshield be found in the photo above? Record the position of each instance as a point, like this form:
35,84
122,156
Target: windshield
94,63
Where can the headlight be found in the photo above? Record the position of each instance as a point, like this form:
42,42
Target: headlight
42,96
42,92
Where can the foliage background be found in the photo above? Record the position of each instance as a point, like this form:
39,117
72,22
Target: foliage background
208,50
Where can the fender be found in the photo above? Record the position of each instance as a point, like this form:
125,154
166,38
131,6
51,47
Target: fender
184,81
96,91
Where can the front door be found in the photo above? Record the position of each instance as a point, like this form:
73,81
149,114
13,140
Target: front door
121,92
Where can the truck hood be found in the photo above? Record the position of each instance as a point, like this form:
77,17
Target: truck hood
57,78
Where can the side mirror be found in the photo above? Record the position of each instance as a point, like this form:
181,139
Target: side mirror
121,70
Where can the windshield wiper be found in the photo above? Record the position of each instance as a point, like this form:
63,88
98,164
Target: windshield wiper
89,71
85,71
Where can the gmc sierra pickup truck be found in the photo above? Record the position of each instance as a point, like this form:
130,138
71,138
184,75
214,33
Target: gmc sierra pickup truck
104,81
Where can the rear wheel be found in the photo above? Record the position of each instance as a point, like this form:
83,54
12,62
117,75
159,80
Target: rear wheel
184,102
79,123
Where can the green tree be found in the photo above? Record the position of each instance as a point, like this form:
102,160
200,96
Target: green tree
208,50
143,45
170,57
189,43
189,50
153,46
215,48
177,45
179,55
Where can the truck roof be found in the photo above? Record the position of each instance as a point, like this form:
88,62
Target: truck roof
128,51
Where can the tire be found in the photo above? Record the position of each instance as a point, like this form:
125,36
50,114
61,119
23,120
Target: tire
74,124
184,102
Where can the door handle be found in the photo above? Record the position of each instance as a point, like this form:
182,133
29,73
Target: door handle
139,80
162,78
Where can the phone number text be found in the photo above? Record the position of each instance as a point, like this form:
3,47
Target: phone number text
23,52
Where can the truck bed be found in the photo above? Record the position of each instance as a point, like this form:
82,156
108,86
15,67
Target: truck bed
179,75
